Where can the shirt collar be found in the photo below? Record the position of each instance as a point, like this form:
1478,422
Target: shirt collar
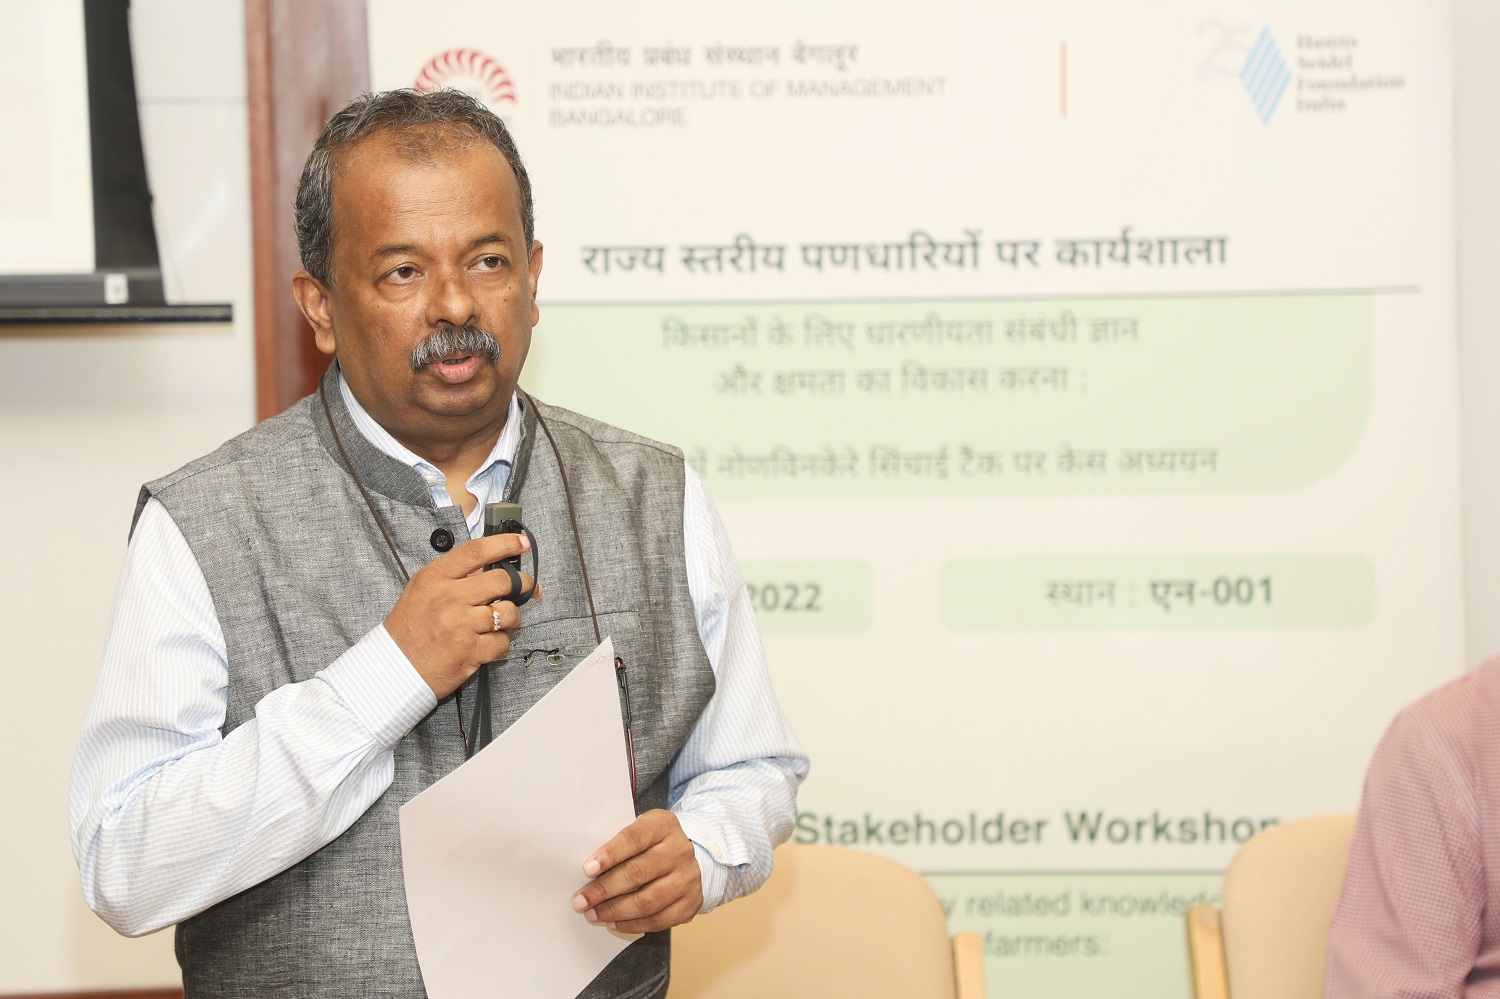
503,453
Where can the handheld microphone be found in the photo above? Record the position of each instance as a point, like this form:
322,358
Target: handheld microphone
505,518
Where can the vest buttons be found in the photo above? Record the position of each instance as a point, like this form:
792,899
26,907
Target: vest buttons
442,539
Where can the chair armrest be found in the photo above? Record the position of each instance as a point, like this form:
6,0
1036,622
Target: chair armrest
1205,936
968,966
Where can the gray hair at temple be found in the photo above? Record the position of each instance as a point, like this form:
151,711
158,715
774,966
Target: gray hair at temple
431,122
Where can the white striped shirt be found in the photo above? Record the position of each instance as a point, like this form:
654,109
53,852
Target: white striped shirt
170,817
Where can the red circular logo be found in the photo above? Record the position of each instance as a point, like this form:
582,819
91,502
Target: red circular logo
473,72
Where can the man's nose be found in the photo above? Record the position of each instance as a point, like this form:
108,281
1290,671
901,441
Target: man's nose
451,299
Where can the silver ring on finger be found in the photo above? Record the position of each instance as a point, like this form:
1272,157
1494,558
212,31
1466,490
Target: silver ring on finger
495,617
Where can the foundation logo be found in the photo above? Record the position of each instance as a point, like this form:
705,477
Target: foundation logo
1258,66
1265,75
471,71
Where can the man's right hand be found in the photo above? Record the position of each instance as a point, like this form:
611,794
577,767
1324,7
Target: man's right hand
445,619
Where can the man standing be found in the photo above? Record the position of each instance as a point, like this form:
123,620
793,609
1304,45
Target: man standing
300,629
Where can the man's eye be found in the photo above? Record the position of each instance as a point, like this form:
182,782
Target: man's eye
491,262
403,274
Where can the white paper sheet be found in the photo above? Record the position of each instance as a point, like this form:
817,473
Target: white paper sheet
493,853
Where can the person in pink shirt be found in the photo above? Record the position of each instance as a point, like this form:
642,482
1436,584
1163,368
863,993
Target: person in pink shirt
1419,917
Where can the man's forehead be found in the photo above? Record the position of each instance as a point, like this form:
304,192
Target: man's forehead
422,145
371,162
427,143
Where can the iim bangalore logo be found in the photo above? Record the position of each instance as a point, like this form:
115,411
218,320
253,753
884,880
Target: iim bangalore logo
475,73
1266,75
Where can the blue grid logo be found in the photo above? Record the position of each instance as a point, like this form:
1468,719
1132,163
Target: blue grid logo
1265,75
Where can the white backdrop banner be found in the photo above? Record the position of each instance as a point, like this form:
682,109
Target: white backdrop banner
1077,383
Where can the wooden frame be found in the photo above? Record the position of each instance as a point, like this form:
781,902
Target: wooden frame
968,966
1205,934
305,59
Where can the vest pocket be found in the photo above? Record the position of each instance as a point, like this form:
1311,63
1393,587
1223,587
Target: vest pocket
562,643
542,654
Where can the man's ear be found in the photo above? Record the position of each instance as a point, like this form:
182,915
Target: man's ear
316,303
534,269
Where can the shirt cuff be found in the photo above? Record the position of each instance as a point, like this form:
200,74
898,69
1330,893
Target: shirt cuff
706,850
380,687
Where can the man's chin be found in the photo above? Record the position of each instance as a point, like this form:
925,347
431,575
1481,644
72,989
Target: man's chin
483,391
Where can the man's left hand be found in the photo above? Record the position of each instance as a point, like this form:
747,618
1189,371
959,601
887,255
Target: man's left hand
645,879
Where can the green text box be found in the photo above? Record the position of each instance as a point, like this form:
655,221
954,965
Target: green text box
1199,592
810,596
1079,935
1165,394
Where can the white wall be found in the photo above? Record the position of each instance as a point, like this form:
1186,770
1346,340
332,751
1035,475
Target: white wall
1477,84
86,415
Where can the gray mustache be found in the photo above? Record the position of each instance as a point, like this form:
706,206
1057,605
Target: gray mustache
447,340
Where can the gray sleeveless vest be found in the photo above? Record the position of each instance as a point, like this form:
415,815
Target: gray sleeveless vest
299,573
